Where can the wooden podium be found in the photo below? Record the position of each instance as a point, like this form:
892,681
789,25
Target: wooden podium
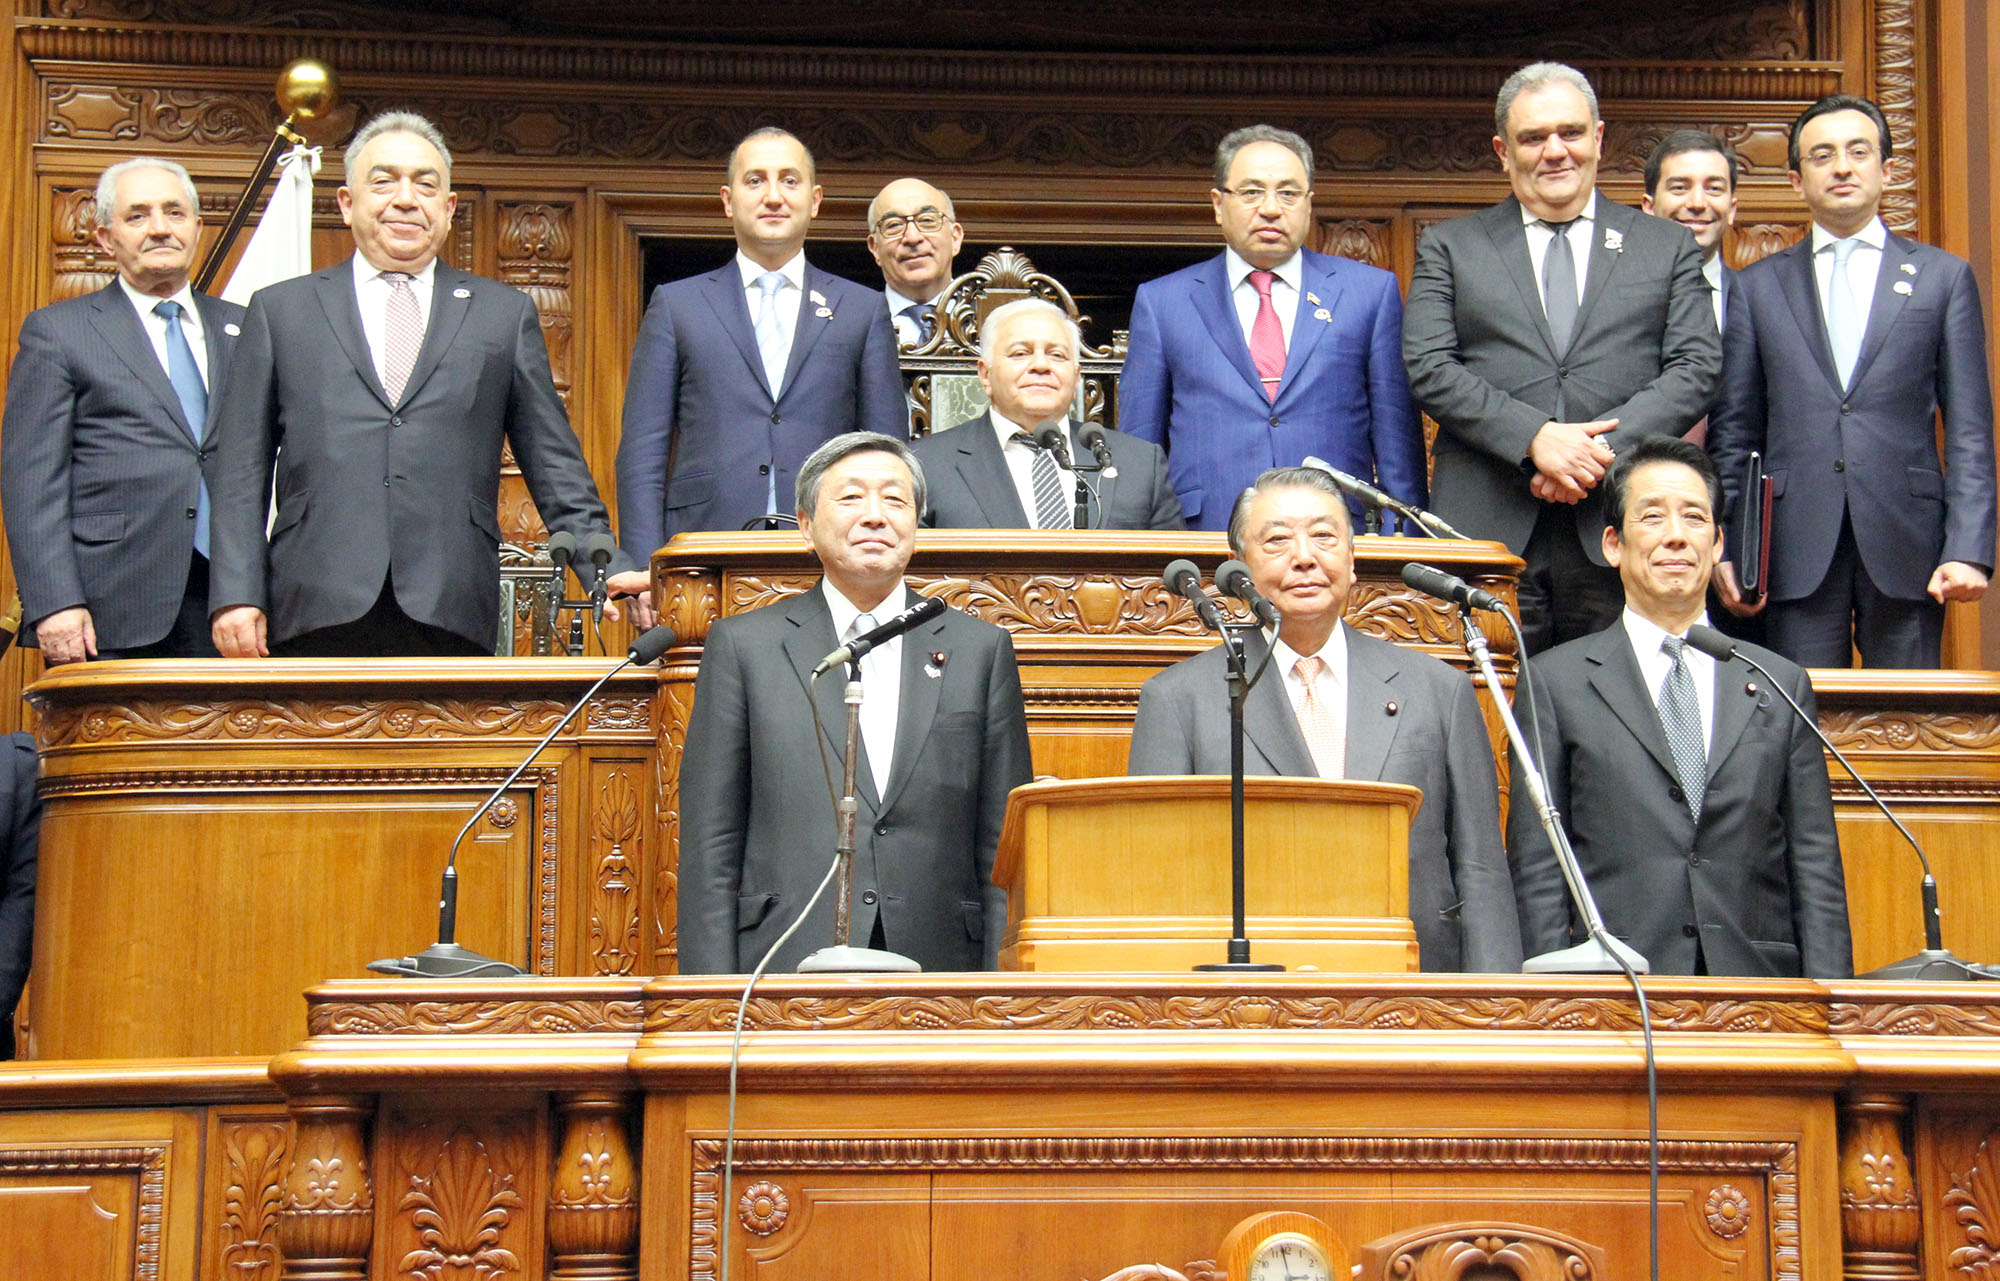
1133,874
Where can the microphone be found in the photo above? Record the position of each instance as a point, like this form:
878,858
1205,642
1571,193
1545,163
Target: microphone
1934,962
1092,436
562,550
445,959
1439,585
1184,580
1355,487
1052,437
921,612
600,549
1233,577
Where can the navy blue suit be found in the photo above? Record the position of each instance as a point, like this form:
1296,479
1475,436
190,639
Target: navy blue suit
1189,386
697,404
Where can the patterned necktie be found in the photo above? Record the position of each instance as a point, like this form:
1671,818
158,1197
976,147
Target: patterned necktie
1316,722
1680,716
1843,316
185,375
1559,299
770,333
1267,336
924,317
1052,507
402,334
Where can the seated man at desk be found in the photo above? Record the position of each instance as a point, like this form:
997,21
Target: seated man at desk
944,739
1337,704
988,472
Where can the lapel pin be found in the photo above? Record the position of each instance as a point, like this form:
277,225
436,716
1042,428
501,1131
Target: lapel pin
818,298
1323,314
233,330
1909,269
1750,687
461,292
1614,240
1391,707
1902,286
824,314
935,667
1312,297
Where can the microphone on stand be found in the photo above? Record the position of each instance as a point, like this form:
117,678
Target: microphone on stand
445,959
1184,580
916,615
562,553
1092,436
600,549
1450,588
1052,437
1355,487
1934,962
1233,577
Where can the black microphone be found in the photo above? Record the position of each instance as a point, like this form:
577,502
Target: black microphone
445,959
1184,580
1233,578
1052,437
562,550
921,612
1355,487
1439,585
1934,962
600,548
1092,436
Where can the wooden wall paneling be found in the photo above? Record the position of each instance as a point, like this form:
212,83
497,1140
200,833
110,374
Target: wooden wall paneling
116,1192
1957,1155
247,1148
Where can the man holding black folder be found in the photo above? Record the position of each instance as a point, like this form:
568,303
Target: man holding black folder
1838,355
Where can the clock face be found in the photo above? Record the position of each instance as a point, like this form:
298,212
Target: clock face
1288,1257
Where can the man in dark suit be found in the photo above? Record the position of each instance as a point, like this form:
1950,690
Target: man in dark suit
739,374
1696,801
944,740
20,847
1337,704
1691,180
383,388
988,472
1269,353
1839,354
110,412
1544,334
913,235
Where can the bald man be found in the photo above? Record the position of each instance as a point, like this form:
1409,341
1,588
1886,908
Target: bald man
914,234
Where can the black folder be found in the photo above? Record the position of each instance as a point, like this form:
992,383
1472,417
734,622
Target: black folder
1749,541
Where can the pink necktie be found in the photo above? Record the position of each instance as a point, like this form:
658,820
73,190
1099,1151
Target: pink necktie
402,335
1316,722
1267,336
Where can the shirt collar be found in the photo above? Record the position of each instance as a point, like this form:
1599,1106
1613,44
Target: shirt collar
900,302
1712,270
1589,213
845,611
1647,636
1333,653
146,302
365,271
1874,235
1292,270
794,271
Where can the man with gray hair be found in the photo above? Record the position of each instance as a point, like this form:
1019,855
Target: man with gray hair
1545,333
1269,353
109,419
990,472
390,381
944,739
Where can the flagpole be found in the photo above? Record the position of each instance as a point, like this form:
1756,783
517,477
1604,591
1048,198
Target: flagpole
306,91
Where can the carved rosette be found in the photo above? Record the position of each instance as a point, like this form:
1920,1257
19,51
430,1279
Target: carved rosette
593,1222
81,267
326,1217
253,1171
617,853
460,1207
1896,93
1727,1211
763,1208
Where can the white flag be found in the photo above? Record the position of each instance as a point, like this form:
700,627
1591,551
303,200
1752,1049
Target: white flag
281,246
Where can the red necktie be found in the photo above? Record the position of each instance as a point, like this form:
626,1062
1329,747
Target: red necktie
1267,336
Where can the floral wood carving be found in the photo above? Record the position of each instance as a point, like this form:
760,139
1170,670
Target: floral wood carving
1727,1211
253,1169
1879,1215
593,1219
475,1018
763,1208
617,853
1973,1200
81,267
1855,730
1450,1251
1199,1270
689,601
1849,1019
1749,242
1896,93
676,706
328,1211
145,1166
1364,240
292,719
461,1213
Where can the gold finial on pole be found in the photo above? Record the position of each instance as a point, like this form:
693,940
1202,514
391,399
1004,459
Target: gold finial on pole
306,91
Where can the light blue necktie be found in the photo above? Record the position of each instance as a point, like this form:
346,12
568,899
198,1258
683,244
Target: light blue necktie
185,375
1843,317
771,334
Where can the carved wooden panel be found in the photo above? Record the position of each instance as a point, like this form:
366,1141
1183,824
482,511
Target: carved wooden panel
102,1205
80,266
326,1217
593,1210
248,1150
617,856
463,1191
1895,90
1364,240
1444,1252
1879,1214
1750,241
1961,1179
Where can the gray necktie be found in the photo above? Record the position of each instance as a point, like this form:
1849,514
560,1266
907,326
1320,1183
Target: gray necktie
770,333
1052,507
1559,299
924,317
1680,716
1843,316
402,334
185,375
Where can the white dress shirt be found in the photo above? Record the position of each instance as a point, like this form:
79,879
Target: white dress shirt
1332,683
1286,291
907,333
1654,666
790,295
1711,271
1578,234
1019,456
156,326
371,295
881,677
1863,266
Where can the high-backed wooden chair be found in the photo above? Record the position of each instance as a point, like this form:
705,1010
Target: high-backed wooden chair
943,371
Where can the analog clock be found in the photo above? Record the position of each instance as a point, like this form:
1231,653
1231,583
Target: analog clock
1282,1245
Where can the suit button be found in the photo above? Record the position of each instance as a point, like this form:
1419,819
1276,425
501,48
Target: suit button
1274,420
1690,931
385,482
191,513
396,421
763,469
1694,860
775,417
1840,464
881,829
1562,371
868,897
1675,794
1847,409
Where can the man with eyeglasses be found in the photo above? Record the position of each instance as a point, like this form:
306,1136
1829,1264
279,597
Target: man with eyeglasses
1839,355
1269,353
913,233
1545,334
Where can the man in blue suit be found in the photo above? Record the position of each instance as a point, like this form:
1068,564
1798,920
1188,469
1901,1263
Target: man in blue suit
739,374
1269,352
1839,353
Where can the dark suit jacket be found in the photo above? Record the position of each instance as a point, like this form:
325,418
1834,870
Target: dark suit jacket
757,828
366,488
1188,385
1868,450
969,487
1460,898
1482,363
99,474
697,376
20,836
1760,883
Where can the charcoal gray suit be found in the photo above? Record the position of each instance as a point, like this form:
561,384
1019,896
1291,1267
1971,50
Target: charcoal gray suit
969,486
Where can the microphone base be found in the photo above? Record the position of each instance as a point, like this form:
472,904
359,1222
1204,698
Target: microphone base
1591,956
445,961
1239,967
857,960
1929,966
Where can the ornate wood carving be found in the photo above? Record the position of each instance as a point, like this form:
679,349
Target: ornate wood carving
1199,1270
1898,730
1879,1216
537,249
183,720
676,704
459,1205
1775,1164
1445,1252
145,1165
1889,1019
1972,1197
254,1151
543,1017
1362,239
327,1217
81,267
1727,1211
593,1223
1895,77
1749,242
617,852
763,1208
